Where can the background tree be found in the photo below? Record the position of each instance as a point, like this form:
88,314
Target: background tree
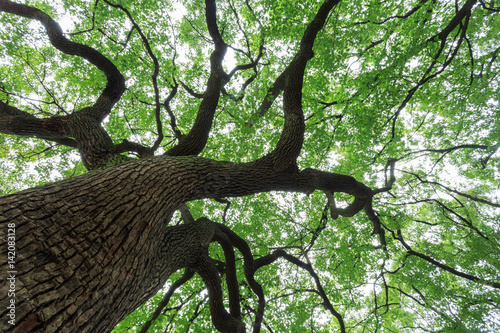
347,150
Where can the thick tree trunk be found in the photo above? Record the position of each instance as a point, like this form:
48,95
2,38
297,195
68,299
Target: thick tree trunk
91,249
88,249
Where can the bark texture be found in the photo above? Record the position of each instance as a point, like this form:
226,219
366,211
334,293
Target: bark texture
93,248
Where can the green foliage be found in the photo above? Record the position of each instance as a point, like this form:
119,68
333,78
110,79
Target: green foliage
369,58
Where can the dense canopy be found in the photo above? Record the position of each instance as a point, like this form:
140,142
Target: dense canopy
352,149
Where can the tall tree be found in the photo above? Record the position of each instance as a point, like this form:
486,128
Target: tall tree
348,150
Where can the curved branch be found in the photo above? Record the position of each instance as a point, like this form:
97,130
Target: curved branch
334,182
404,16
445,151
188,274
251,65
116,83
90,138
173,122
190,242
377,225
463,13
331,203
270,258
154,76
224,322
231,279
485,160
391,164
249,268
191,91
128,146
290,142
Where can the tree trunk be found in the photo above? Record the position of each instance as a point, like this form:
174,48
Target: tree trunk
91,249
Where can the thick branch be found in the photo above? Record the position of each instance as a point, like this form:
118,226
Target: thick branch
116,83
93,142
222,320
17,122
128,146
249,268
89,137
231,279
290,143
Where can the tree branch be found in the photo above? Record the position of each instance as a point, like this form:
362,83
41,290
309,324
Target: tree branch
270,258
436,263
463,13
224,322
116,83
231,279
465,195
17,122
405,16
249,268
290,143
196,139
188,274
154,76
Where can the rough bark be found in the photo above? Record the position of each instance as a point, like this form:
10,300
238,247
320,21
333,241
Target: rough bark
290,143
79,130
93,248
